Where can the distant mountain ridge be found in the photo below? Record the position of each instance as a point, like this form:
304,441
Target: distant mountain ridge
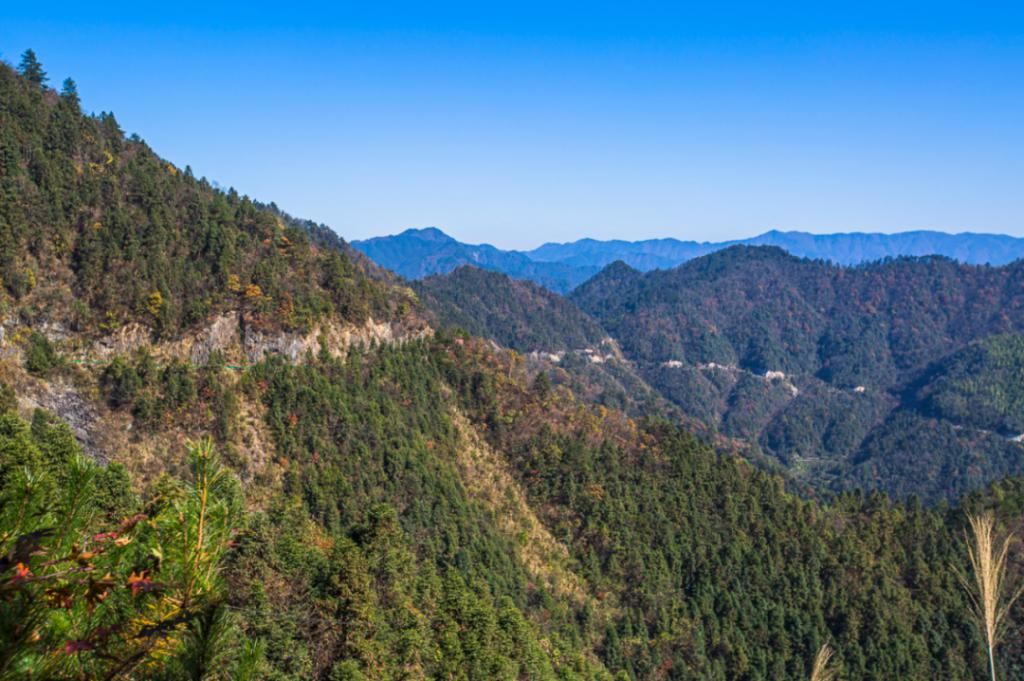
418,253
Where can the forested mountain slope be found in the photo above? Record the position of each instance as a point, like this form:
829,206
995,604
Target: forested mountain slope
97,230
148,308
556,338
517,314
817,362
981,386
387,502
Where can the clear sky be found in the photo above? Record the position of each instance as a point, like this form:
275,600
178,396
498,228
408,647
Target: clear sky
519,123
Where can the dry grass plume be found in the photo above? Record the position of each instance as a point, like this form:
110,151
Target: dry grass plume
988,555
821,671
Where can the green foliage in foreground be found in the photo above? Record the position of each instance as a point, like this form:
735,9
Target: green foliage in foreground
97,584
98,581
374,559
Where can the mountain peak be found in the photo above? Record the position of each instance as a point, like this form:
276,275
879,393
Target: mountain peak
748,252
427,234
619,268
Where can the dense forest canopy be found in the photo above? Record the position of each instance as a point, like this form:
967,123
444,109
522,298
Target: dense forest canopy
821,365
516,313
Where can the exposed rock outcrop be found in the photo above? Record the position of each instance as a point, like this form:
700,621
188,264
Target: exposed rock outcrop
79,413
240,342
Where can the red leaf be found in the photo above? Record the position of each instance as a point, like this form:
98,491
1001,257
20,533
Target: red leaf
21,573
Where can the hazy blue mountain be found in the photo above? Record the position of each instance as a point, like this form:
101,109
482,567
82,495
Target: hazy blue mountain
856,248
417,253
843,249
644,255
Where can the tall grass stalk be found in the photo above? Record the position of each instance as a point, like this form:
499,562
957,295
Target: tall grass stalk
988,556
820,671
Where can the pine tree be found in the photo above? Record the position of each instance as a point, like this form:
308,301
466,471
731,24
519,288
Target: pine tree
30,68
69,92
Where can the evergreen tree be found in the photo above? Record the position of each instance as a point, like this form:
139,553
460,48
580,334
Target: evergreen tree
31,69
69,92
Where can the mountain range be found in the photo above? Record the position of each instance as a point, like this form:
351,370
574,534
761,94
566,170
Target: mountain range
417,253
827,372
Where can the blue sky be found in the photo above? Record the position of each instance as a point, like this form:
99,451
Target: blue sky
526,122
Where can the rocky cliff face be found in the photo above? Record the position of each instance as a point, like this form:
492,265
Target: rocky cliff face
243,343
85,418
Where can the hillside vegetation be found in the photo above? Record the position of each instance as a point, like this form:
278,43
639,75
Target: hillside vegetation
516,313
818,363
562,344
97,230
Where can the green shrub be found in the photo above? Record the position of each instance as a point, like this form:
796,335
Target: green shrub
40,356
